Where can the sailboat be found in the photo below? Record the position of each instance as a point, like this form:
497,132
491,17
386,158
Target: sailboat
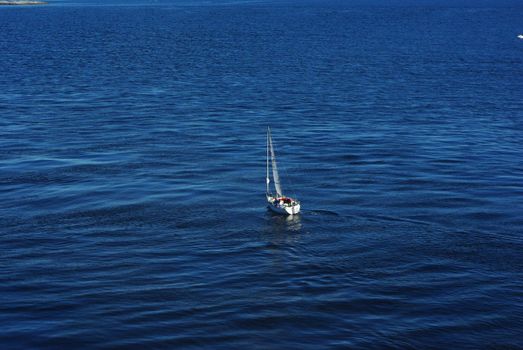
277,202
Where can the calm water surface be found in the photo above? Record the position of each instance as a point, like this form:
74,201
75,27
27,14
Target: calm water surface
132,160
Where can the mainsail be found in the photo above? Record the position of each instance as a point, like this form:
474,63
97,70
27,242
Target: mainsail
274,166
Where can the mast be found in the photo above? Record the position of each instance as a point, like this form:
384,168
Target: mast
274,167
267,180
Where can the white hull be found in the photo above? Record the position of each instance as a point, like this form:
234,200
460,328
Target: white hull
283,209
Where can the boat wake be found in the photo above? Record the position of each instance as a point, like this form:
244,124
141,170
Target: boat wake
322,212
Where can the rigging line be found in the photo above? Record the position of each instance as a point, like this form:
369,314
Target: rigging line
289,184
267,179
275,173
289,181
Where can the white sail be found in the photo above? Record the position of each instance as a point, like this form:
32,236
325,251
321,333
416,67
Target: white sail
274,168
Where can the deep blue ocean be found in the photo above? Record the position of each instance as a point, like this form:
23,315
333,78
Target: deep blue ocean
132,175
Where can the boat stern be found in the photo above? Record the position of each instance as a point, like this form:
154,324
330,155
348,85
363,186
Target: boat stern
278,205
293,210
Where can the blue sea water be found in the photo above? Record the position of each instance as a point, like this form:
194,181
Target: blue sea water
132,164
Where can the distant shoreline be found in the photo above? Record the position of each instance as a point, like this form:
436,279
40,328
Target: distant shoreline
22,2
